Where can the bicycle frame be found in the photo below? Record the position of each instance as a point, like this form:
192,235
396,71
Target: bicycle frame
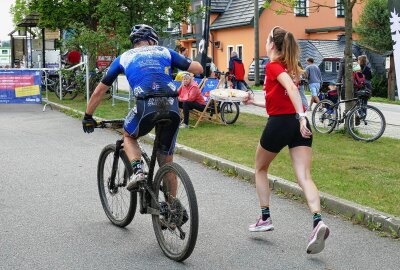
340,101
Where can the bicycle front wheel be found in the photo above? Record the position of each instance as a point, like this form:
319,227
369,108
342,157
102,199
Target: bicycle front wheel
119,204
324,116
366,123
177,225
229,112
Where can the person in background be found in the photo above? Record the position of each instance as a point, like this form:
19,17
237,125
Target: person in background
184,51
302,85
341,78
362,61
287,126
73,57
190,98
314,81
236,68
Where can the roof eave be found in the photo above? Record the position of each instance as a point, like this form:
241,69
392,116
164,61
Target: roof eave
230,26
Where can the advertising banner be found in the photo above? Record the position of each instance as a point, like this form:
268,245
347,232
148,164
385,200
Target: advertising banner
103,61
394,11
20,86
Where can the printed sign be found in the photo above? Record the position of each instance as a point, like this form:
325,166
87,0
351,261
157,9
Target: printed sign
20,86
103,61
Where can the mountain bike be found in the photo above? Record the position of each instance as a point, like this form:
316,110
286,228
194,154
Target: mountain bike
364,122
169,196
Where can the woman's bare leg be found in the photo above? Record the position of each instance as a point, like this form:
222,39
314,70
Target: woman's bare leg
301,161
263,160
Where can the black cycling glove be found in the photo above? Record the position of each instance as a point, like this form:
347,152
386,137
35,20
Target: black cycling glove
88,123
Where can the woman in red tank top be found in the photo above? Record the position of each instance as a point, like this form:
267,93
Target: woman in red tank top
287,126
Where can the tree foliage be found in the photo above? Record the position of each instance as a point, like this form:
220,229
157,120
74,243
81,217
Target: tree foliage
373,27
102,24
19,10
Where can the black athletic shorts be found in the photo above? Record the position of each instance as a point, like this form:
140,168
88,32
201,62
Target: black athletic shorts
282,130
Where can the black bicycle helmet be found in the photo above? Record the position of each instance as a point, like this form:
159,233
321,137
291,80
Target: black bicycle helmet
143,32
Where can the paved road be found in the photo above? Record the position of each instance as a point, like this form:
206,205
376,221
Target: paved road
390,111
51,216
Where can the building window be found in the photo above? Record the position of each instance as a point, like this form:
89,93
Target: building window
194,53
339,8
300,8
4,51
239,50
337,66
229,51
328,66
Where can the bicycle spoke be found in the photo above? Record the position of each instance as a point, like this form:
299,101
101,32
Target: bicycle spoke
176,226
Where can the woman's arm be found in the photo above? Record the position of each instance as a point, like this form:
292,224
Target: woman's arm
286,81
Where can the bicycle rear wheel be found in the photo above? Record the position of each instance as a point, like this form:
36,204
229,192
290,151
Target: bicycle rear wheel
119,204
177,225
366,123
324,116
229,112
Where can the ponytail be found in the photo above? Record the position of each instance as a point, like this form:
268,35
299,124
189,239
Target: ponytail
288,50
290,55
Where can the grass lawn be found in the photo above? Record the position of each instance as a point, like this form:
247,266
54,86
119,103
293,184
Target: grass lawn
365,173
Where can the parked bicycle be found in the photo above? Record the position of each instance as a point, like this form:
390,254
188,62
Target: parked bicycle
74,82
364,122
230,110
169,196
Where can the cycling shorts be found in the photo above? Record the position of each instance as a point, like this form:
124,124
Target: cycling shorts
140,121
282,130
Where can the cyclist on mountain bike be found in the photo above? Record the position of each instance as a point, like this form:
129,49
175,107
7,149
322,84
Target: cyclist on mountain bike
148,68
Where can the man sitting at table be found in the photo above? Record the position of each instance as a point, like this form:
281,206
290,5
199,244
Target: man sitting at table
190,98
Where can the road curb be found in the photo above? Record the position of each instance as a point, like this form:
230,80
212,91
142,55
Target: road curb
374,219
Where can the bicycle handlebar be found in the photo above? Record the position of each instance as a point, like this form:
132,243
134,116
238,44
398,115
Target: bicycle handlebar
115,124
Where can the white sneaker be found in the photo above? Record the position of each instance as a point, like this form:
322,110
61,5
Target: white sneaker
317,239
183,126
262,225
135,180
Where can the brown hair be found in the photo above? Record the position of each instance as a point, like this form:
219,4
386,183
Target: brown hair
182,49
362,60
288,49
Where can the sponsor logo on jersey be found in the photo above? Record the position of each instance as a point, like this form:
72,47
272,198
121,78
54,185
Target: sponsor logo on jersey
138,90
172,86
155,86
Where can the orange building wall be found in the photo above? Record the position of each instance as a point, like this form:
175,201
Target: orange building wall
232,37
326,17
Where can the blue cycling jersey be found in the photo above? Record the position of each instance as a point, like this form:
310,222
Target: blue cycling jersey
148,69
